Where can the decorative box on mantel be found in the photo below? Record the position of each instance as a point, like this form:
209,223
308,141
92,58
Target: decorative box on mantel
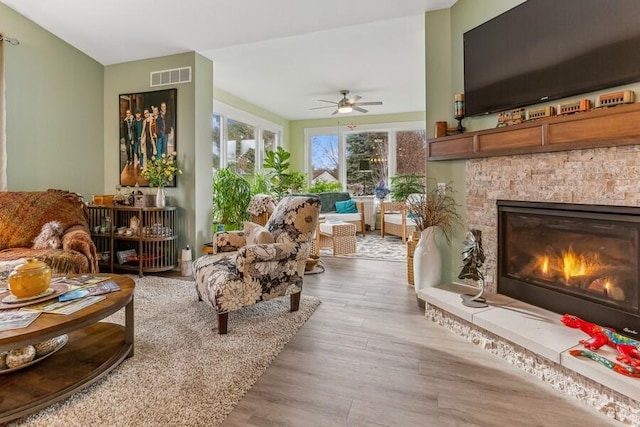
144,200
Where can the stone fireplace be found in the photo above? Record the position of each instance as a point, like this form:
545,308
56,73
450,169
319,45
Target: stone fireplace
572,258
600,176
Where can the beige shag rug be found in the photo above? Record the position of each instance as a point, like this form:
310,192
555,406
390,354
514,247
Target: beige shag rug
183,372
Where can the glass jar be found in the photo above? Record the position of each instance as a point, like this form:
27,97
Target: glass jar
29,279
118,199
106,225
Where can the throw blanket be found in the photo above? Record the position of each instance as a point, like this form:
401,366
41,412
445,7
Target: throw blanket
22,215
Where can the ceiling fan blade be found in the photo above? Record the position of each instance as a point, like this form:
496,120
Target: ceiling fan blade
356,108
354,99
318,108
330,102
334,113
370,103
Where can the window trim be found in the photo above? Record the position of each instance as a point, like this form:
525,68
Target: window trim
226,111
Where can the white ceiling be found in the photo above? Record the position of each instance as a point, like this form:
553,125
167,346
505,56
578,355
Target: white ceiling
282,55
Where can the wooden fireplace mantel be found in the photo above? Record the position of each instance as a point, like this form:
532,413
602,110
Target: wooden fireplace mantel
607,127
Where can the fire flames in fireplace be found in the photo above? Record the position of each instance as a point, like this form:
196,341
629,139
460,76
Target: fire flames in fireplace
581,270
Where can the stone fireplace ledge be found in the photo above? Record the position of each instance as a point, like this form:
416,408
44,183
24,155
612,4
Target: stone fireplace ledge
539,332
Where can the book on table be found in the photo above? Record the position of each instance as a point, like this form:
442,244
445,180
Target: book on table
16,319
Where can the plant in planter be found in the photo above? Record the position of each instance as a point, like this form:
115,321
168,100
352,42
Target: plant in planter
435,208
281,179
433,211
402,186
231,197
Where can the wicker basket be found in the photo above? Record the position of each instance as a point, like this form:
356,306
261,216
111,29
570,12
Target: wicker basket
412,242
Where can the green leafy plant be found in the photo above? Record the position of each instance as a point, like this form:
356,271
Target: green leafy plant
259,183
231,197
281,179
435,208
402,186
325,187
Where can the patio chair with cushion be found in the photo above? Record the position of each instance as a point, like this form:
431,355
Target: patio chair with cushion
394,220
259,271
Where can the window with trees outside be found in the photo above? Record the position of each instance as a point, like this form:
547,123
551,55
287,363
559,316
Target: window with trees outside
240,139
361,157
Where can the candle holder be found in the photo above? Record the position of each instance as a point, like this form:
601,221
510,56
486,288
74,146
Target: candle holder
459,111
459,128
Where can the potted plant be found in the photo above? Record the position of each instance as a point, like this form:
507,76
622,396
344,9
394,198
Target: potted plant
160,172
281,179
433,212
231,197
402,186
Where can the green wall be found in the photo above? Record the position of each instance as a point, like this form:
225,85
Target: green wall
193,128
297,127
444,78
54,111
63,122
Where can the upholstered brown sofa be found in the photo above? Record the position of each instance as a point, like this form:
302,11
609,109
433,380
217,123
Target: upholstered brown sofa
22,215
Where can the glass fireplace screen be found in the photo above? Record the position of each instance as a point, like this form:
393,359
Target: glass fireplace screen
590,256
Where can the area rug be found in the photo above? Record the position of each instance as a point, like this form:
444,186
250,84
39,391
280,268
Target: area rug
372,246
183,372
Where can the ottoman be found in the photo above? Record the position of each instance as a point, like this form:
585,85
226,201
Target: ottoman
339,236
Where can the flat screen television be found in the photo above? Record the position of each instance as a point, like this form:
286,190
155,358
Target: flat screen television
543,50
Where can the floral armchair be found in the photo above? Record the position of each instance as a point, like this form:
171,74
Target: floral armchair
259,272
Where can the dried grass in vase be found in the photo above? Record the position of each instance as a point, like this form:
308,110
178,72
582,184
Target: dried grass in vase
435,208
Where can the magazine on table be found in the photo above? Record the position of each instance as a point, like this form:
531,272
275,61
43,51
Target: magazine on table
97,289
64,307
16,319
80,281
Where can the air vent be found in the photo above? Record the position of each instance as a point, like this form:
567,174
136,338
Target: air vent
169,77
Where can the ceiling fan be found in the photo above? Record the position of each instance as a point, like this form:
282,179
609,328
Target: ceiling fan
347,105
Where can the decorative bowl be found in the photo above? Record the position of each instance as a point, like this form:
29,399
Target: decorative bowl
29,279
311,263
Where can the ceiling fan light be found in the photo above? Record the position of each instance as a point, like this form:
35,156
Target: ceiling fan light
345,109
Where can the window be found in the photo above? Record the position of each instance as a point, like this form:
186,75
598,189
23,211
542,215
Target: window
241,147
324,158
216,140
366,161
360,156
240,139
411,152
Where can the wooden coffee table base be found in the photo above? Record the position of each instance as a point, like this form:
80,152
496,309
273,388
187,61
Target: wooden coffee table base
94,349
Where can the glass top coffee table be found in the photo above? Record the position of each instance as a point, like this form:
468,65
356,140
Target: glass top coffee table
94,348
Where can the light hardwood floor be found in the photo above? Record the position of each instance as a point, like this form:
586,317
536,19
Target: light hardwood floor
368,357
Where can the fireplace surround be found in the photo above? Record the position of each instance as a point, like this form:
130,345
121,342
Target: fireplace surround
572,258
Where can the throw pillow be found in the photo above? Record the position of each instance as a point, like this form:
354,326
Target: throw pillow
348,206
256,234
50,236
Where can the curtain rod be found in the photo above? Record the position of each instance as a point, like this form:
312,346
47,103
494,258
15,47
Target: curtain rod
9,40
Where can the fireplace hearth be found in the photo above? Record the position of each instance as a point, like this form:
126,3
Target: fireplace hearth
572,258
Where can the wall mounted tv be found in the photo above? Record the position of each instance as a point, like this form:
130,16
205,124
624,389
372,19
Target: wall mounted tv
543,50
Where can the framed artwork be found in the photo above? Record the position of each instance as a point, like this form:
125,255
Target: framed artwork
147,130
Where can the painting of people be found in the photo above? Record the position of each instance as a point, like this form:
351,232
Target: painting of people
147,132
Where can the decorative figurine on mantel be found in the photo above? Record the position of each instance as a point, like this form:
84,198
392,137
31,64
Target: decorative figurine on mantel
459,111
473,258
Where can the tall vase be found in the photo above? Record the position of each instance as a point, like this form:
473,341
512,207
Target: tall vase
160,198
427,260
